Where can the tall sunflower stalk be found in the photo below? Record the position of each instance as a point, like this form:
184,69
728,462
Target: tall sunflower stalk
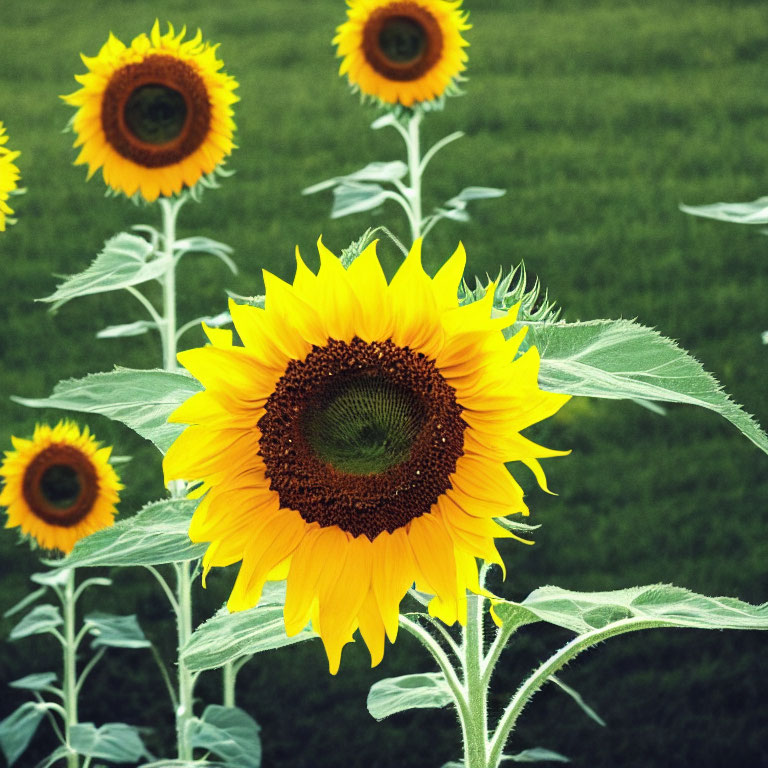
407,57
156,118
59,488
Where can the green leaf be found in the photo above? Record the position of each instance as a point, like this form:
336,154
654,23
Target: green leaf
230,733
24,602
128,329
156,535
619,359
475,193
116,631
418,691
356,197
40,681
755,212
228,636
41,619
126,260
17,730
537,755
376,171
52,578
142,400
118,742
658,605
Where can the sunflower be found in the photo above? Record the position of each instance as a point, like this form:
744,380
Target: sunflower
155,115
355,444
59,486
9,176
403,51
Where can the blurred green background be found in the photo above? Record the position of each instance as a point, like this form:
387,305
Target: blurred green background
599,117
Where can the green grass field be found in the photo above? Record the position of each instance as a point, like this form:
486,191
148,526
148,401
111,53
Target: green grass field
599,117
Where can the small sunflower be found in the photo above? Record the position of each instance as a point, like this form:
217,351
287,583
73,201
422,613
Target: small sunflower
355,444
59,486
403,51
9,177
155,115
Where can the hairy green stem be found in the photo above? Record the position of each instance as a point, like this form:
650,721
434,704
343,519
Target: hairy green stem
182,604
552,665
413,147
170,210
70,666
229,674
186,682
476,727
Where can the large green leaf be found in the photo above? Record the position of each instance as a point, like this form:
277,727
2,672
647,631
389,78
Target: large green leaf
230,733
117,742
125,260
116,631
156,535
417,691
658,605
41,619
619,359
228,636
142,400
17,730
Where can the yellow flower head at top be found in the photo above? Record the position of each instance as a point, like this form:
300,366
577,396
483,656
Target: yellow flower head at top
154,116
355,444
59,486
403,51
9,177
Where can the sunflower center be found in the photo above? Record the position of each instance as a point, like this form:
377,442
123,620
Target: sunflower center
60,485
363,425
402,41
361,436
156,112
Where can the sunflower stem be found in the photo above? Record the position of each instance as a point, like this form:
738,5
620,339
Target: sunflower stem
170,211
70,666
183,602
229,674
476,726
186,682
413,148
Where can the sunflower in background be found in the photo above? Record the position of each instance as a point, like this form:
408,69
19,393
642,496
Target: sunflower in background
403,51
356,443
155,116
9,177
59,486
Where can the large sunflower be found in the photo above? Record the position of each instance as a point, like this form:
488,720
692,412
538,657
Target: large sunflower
9,177
356,443
59,486
155,115
402,51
